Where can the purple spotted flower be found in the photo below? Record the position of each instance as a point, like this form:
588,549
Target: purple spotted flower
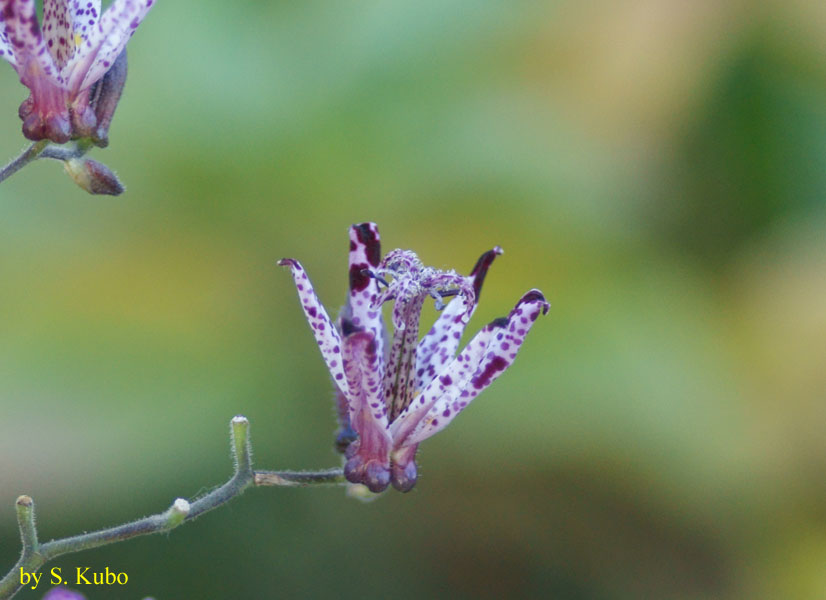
63,594
396,392
62,61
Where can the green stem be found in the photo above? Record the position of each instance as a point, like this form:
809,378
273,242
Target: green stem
28,155
76,150
299,478
35,555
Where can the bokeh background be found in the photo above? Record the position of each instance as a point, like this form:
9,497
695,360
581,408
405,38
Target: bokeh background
656,167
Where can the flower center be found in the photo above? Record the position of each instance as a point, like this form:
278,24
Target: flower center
408,283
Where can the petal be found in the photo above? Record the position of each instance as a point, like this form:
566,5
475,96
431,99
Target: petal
325,333
105,41
23,35
58,32
84,15
498,356
365,254
345,435
441,342
454,377
367,409
368,457
480,269
63,594
5,46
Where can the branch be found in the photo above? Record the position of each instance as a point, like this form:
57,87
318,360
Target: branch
62,153
34,555
29,154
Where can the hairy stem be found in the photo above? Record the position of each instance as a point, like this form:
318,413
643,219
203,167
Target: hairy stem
29,154
299,478
34,555
76,150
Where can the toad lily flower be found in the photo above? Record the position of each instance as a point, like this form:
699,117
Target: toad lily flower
62,62
397,393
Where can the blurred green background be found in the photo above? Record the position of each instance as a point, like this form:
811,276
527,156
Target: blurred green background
656,167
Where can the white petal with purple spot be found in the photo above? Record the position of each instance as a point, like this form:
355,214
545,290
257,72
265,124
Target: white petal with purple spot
5,47
364,257
326,335
33,60
439,345
363,373
57,31
106,41
449,383
84,16
507,337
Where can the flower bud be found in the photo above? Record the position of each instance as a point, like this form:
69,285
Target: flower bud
94,177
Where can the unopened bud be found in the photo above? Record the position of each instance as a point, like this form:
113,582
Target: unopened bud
105,97
94,177
359,491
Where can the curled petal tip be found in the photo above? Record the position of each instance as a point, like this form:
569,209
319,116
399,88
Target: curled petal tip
480,269
535,295
286,262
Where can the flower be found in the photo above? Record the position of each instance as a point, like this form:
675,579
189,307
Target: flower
57,593
62,61
396,393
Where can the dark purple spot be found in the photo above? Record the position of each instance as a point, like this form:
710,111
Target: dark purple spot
445,379
535,296
359,280
500,322
446,413
485,377
370,239
312,311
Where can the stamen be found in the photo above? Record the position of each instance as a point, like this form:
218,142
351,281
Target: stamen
372,275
